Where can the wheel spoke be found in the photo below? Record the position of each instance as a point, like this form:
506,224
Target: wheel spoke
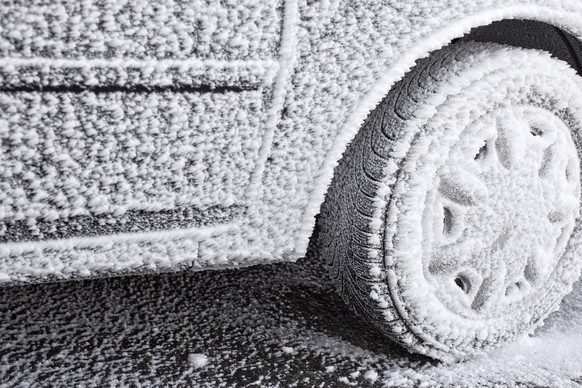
564,209
462,187
452,257
490,289
554,167
572,171
509,142
537,265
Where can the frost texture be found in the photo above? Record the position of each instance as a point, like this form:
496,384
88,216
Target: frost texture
114,153
477,187
141,330
167,29
319,71
487,198
128,127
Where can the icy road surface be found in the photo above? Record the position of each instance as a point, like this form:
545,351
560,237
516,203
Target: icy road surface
271,325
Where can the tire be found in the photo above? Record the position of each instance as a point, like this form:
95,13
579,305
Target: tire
451,223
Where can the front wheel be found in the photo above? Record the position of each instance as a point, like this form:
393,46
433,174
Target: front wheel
451,221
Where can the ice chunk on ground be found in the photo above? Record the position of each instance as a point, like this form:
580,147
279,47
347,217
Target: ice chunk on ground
198,360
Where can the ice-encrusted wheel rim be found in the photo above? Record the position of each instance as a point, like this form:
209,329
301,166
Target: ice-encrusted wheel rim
486,94
504,206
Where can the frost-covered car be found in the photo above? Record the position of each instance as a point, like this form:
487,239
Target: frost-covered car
437,140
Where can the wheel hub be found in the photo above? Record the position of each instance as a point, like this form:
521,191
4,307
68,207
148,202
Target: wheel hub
504,206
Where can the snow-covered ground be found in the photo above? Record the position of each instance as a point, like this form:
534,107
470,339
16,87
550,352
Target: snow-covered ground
272,325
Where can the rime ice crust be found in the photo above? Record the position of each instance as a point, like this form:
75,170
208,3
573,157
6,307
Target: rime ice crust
333,61
142,29
115,153
504,218
463,211
500,210
123,130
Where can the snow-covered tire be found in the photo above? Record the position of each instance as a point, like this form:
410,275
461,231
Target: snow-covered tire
451,223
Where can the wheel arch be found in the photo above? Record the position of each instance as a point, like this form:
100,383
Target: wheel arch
477,26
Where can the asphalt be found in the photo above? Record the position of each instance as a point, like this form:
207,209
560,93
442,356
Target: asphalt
269,325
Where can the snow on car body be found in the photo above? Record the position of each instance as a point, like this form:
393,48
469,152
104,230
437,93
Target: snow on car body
121,121
152,136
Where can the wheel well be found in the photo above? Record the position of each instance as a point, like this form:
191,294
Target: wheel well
524,33
530,34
